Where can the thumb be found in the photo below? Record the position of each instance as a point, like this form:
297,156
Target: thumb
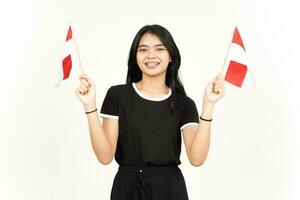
210,84
90,81
82,76
214,79
85,76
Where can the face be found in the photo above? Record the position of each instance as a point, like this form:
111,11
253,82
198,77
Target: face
152,56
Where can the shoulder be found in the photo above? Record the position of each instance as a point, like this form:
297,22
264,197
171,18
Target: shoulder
186,103
119,89
184,99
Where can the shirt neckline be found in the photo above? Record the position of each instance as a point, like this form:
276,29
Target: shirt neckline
151,98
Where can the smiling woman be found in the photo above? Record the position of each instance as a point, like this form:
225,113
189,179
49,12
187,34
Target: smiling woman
152,53
144,119
153,59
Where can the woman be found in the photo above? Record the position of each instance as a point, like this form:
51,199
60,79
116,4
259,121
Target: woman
144,118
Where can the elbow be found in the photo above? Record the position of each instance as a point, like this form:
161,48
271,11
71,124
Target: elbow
105,160
197,159
197,163
104,157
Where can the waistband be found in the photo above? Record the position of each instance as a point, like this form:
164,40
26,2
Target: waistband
143,187
148,170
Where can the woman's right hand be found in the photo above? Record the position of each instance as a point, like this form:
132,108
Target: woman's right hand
86,92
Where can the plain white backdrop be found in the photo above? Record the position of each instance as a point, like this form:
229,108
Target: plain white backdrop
45,148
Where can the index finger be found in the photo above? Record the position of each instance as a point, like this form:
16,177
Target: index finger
83,76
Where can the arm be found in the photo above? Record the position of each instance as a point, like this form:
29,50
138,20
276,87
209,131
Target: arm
103,137
197,138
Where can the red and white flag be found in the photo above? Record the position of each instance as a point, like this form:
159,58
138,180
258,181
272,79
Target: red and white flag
66,65
237,72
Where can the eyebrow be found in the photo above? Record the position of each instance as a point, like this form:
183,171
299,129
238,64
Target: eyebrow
143,45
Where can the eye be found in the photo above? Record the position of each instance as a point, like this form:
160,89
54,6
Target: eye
142,50
160,49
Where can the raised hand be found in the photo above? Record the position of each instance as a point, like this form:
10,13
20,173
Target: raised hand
214,90
86,92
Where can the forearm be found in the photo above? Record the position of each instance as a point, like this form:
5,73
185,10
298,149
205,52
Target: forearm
99,140
201,141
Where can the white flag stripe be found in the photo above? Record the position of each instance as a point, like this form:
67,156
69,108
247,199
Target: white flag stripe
69,48
249,81
237,54
59,76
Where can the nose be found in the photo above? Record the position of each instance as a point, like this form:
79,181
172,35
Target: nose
151,53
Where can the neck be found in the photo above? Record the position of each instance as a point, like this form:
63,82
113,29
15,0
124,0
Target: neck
153,84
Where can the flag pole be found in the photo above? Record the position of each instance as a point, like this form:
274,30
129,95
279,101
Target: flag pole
225,60
77,51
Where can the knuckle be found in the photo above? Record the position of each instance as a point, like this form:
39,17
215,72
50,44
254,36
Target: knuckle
86,83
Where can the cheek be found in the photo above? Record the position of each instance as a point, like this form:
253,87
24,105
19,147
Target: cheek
165,58
139,59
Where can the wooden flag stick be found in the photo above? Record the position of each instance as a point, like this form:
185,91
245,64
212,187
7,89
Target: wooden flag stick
225,59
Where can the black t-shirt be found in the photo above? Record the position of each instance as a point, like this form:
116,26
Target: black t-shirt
149,133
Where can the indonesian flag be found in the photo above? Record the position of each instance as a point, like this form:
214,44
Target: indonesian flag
66,65
237,71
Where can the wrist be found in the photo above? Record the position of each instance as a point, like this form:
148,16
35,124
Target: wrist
89,107
207,109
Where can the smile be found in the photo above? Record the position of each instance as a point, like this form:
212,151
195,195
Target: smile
152,64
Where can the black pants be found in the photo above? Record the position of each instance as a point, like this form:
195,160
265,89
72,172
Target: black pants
149,183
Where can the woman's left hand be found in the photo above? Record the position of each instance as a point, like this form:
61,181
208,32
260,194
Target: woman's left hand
214,90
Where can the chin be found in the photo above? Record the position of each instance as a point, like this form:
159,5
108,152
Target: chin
153,72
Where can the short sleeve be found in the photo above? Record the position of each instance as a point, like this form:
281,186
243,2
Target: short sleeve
110,105
189,114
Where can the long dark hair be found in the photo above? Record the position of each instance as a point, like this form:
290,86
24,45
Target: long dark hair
134,74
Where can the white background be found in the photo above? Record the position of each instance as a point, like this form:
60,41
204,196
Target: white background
45,148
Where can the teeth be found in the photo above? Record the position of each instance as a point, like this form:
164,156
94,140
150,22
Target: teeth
152,64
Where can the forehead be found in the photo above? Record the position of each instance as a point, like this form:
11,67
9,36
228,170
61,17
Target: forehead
149,39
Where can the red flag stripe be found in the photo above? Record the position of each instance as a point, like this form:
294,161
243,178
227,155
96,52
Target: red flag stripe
237,38
67,66
69,35
236,73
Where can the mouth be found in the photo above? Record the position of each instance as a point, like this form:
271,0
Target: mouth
152,64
